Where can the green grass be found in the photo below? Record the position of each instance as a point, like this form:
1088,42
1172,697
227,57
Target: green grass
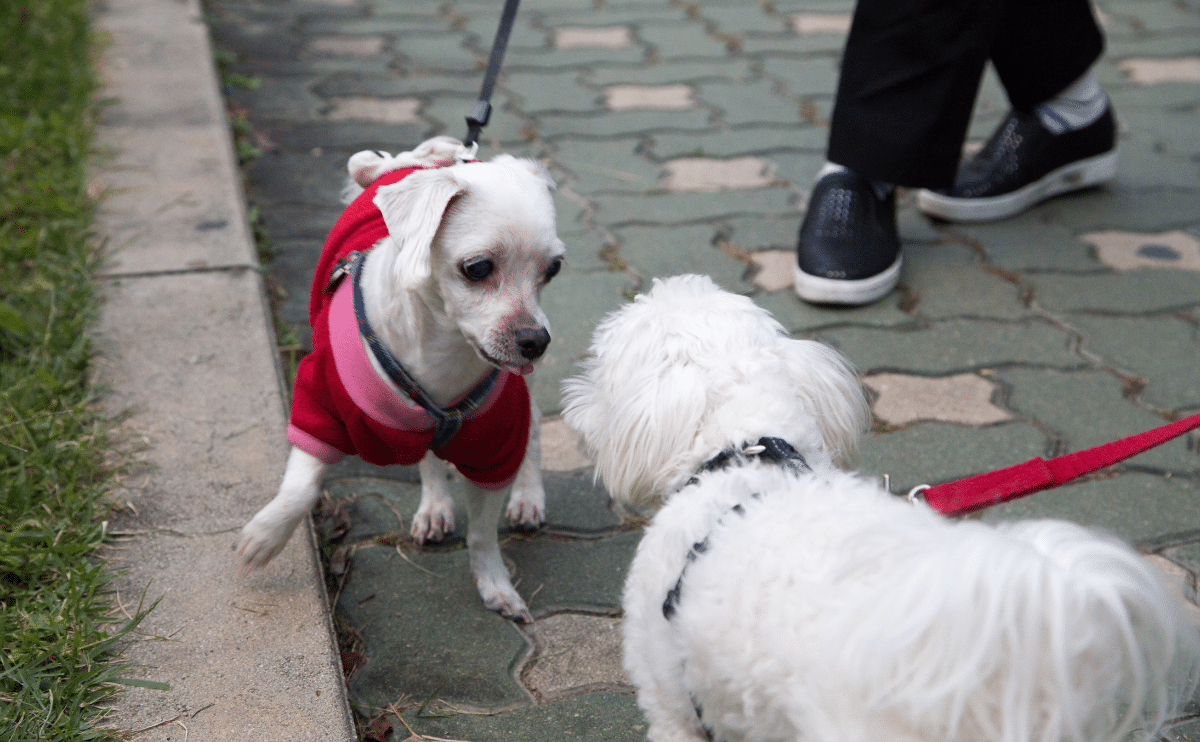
57,637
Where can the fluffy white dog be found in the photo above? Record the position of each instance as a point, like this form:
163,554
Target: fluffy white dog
776,597
425,318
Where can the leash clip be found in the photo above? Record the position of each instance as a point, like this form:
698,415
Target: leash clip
917,494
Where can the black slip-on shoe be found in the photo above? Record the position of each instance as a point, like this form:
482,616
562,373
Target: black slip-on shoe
1023,164
849,250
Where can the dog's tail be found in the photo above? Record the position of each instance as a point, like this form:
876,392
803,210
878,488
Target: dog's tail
1039,631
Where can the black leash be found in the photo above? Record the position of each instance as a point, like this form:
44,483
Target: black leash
482,110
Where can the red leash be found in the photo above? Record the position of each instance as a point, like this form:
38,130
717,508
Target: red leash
1035,475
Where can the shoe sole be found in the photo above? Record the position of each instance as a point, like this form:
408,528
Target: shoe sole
1092,171
819,290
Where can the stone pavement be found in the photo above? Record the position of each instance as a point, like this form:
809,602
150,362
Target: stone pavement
684,136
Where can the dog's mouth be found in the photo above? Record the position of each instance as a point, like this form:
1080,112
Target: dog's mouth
522,369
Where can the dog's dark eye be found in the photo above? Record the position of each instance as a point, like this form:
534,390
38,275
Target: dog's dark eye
554,268
477,270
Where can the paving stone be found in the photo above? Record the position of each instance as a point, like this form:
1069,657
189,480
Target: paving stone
292,268
1141,166
288,178
680,40
1167,95
774,269
622,123
575,302
1142,508
760,233
1155,71
306,223
1163,350
1171,132
591,717
712,175
749,102
1188,731
611,37
448,114
382,110
541,92
804,320
661,97
280,98
1028,243
954,345
580,575
964,398
739,19
743,140
1088,408
388,25
437,51
809,24
939,276
1130,250
1116,208
667,72
765,45
940,452
1187,554
354,46
520,60
1140,290
574,652
391,84
561,447
678,208
805,76
658,252
426,631
348,136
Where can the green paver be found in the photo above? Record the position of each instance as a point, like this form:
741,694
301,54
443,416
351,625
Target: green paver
740,19
1143,508
1189,731
749,102
1164,350
551,92
591,717
582,575
622,123
613,166
1139,291
939,275
658,252
1027,243
930,453
425,629
666,73
1087,408
347,137
614,211
744,140
804,76
295,178
954,346
556,59
673,41
393,84
762,233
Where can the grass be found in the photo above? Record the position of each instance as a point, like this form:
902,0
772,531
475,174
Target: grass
58,640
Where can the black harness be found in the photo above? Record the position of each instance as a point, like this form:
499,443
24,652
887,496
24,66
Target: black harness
772,450
447,420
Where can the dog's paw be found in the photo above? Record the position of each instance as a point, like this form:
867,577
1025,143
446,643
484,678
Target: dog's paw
525,516
503,599
433,523
260,542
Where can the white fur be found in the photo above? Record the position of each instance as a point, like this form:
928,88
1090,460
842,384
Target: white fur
828,610
447,330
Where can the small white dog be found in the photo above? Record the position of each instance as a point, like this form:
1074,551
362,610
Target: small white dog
777,598
425,318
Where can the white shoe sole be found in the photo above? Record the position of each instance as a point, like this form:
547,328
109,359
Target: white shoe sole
1086,173
819,290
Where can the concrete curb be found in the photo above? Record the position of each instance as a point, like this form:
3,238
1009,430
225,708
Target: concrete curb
186,342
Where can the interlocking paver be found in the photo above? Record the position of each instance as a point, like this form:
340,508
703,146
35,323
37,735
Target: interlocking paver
1061,333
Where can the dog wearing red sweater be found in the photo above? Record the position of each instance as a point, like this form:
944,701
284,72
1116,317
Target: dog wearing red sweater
426,318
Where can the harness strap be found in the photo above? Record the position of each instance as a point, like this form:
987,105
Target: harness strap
447,421
1037,474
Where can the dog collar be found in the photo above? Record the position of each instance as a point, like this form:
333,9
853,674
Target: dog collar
447,421
772,450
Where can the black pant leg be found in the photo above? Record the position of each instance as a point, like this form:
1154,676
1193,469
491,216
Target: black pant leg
1042,46
909,77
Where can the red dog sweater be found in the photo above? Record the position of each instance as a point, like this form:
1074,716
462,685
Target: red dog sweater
341,406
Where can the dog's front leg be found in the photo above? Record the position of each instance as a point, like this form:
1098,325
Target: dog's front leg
268,531
487,566
527,505
434,519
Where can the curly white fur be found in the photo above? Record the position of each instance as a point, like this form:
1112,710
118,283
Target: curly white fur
821,608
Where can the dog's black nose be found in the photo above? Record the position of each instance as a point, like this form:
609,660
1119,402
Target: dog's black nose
532,341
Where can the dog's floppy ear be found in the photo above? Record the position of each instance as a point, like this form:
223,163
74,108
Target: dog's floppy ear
413,209
639,424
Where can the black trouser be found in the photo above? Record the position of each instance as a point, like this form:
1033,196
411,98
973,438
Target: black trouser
911,71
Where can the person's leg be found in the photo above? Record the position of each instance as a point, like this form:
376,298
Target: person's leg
909,77
1060,135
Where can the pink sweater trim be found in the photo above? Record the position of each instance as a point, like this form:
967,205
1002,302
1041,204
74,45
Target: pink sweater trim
363,383
314,446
